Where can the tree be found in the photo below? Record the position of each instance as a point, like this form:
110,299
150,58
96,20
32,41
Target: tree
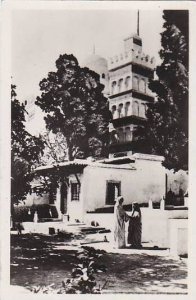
75,106
166,132
25,151
55,150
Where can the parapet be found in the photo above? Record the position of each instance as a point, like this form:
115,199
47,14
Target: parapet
148,157
133,56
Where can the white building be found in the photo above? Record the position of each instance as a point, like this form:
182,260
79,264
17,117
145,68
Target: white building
87,186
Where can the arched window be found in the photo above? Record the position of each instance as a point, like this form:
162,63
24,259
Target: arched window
133,133
121,135
143,110
128,134
142,85
135,108
127,82
113,87
113,109
103,75
135,83
120,110
120,85
127,109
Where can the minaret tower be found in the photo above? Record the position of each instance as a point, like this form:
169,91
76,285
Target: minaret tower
129,74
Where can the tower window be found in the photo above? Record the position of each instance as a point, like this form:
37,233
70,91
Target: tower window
128,134
103,75
143,110
113,87
127,107
121,135
136,108
113,109
120,84
135,83
142,85
120,110
127,82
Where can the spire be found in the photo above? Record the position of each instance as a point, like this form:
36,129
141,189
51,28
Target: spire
138,22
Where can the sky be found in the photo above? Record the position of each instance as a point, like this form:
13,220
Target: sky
40,36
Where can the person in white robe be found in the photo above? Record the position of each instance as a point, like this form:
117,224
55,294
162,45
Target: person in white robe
120,217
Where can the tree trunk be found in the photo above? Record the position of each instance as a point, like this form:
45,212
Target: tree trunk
69,152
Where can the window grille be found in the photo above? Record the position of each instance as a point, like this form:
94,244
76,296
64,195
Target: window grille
75,191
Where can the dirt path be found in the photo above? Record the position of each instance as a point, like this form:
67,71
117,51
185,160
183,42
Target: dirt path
41,259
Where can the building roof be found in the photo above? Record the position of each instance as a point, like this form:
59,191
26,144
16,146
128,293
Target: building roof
95,59
118,160
69,166
76,162
79,164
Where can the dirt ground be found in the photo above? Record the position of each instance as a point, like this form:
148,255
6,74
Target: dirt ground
42,260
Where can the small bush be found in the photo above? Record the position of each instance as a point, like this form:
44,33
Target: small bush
82,279
23,214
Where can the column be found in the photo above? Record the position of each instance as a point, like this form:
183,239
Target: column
150,205
58,201
162,204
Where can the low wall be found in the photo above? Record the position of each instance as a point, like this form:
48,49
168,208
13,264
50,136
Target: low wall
178,236
155,224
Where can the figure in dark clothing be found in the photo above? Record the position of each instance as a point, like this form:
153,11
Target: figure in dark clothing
19,227
135,227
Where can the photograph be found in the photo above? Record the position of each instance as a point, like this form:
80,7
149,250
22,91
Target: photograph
99,148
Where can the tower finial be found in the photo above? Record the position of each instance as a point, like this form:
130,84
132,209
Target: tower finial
138,22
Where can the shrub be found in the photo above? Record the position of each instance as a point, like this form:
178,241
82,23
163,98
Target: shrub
22,213
82,279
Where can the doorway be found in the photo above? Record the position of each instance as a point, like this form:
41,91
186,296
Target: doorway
113,190
64,198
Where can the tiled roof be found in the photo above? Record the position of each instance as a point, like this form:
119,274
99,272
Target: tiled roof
108,163
79,162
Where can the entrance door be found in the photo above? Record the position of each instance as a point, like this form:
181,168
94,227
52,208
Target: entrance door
64,198
112,192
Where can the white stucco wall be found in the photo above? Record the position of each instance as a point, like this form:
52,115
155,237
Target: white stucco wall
145,183
178,236
95,180
141,181
159,227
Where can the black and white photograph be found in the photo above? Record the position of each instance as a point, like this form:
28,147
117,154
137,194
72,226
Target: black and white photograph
98,184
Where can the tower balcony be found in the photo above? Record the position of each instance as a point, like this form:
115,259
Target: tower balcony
134,56
135,94
127,120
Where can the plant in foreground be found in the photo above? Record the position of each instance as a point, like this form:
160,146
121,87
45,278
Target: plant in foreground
83,279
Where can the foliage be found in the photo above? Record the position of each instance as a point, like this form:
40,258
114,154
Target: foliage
83,275
167,130
25,151
55,148
22,213
74,104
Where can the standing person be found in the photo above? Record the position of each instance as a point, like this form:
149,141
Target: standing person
120,217
135,227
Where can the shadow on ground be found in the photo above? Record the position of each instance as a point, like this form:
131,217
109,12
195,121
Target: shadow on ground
145,273
35,261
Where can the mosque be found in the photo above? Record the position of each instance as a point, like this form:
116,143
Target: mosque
93,185
125,78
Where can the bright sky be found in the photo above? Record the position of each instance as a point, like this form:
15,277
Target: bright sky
40,36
